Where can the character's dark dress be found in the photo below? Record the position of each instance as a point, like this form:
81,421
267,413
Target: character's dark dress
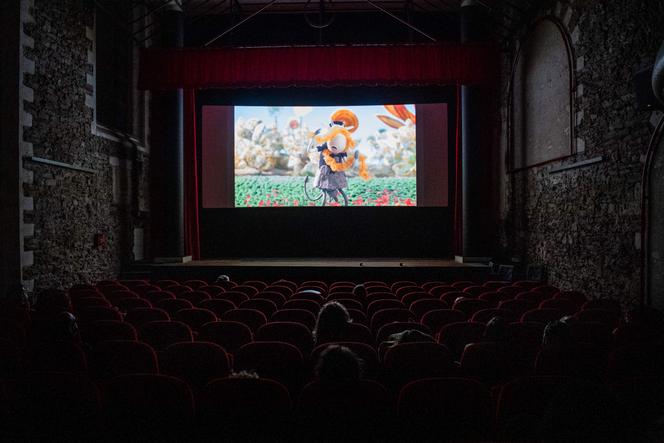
325,177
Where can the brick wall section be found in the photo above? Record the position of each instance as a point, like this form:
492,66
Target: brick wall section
584,224
71,207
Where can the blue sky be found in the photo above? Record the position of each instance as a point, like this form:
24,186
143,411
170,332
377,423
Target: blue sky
320,117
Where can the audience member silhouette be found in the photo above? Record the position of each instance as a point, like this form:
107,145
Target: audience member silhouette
338,364
557,333
360,291
332,319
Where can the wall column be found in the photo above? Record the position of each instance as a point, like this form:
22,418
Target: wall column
478,222
166,129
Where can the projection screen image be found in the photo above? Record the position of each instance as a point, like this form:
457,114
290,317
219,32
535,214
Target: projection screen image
325,155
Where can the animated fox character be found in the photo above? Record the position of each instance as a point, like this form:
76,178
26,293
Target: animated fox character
337,154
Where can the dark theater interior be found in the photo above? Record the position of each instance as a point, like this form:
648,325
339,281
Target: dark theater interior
332,221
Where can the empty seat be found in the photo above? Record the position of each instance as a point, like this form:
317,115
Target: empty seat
495,284
411,297
314,283
259,285
308,305
352,332
195,284
144,289
495,297
457,335
127,304
607,316
522,403
519,307
178,290
103,330
147,407
195,317
470,305
526,284
195,297
289,332
385,316
246,409
475,291
542,315
351,411
155,297
98,313
212,290
451,297
349,303
401,284
275,297
436,319
382,295
421,307
225,284
266,306
173,305
252,318
57,356
407,290
565,306
217,305
301,316
57,406
439,291
510,290
358,316
118,357
235,297
484,315
230,335
166,283
283,290
274,360
463,284
406,362
489,362
377,305
141,316
309,294
452,409
197,363
161,334
249,291
580,360
431,284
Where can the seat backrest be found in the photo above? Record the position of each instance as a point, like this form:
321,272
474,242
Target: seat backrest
97,313
385,316
274,360
249,291
542,315
439,291
247,398
407,290
119,357
212,290
470,305
411,297
141,316
161,334
108,330
484,315
451,297
453,408
349,303
275,297
457,335
436,319
127,304
258,284
367,354
267,307
289,332
195,317
309,305
173,305
358,400
235,297
517,306
155,297
230,335
410,361
197,363
217,305
195,297
252,318
421,307
301,316
57,356
488,362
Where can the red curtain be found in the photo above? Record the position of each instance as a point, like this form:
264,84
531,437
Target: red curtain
393,65
192,244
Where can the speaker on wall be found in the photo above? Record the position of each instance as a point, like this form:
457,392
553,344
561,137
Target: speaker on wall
657,79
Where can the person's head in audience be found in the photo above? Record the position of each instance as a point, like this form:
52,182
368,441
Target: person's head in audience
243,374
409,336
17,297
337,364
497,329
557,333
222,278
332,318
360,291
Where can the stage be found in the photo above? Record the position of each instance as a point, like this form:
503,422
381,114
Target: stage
326,269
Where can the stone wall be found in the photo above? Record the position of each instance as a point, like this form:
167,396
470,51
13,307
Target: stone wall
83,220
583,224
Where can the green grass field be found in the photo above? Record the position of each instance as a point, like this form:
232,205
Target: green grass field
252,191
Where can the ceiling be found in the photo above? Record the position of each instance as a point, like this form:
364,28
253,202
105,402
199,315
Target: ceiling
404,13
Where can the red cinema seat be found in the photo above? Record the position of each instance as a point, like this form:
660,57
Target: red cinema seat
436,319
235,297
155,297
119,357
457,335
412,297
495,297
195,284
484,315
470,305
252,318
103,330
275,360
173,305
259,285
452,409
421,307
367,354
432,284
141,316
249,291
407,290
275,297
266,306
218,306
57,356
385,316
542,315
195,297
406,362
230,335
211,290
127,304
301,316
308,305
195,318
490,362
401,284
288,332
197,363
161,334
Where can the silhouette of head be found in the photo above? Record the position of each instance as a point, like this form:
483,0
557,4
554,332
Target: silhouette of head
338,363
